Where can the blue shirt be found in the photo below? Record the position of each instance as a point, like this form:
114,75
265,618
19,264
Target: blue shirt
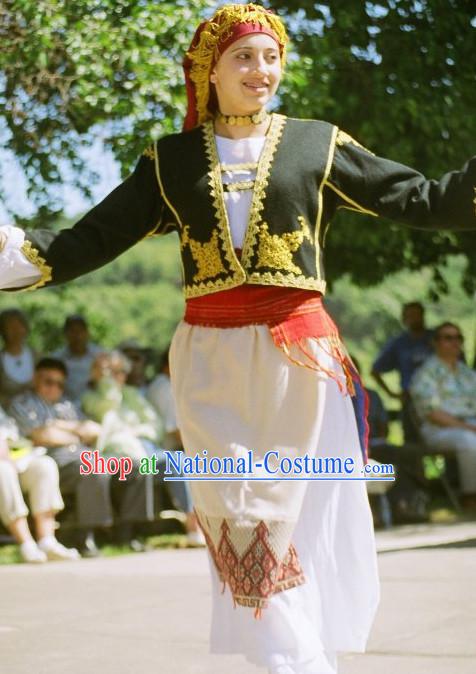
404,353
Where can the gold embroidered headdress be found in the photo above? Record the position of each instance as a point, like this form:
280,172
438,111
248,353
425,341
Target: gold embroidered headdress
211,39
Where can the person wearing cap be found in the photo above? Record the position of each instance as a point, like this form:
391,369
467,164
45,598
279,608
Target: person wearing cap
77,354
256,362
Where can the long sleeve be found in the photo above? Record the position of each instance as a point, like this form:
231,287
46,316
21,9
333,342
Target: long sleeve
131,212
370,184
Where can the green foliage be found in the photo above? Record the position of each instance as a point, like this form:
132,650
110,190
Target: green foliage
67,67
398,75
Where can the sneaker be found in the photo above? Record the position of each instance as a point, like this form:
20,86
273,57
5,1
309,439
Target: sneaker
54,551
195,539
30,552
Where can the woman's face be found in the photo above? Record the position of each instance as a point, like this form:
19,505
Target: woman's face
101,367
247,74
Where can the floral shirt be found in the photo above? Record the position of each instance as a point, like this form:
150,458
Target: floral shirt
436,387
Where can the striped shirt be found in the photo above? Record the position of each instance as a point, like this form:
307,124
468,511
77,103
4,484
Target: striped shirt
31,411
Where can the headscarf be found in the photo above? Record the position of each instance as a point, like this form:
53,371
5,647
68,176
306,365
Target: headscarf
212,37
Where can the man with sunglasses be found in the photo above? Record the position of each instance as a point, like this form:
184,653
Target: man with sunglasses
51,420
444,394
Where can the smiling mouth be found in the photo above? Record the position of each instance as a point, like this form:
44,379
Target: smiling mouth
255,87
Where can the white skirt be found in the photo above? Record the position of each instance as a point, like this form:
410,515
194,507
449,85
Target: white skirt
235,381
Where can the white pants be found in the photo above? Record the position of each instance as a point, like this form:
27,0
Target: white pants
39,480
464,442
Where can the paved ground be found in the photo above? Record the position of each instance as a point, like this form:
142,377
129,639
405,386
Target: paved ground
149,613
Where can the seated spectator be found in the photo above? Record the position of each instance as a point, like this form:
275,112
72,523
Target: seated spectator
405,353
130,423
17,360
444,394
78,355
127,418
28,471
51,420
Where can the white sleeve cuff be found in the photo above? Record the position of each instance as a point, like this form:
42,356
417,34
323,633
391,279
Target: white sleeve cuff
16,271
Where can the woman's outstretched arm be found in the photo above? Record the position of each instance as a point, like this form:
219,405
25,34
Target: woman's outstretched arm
369,184
134,210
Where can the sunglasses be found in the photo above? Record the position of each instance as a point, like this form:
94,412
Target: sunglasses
49,381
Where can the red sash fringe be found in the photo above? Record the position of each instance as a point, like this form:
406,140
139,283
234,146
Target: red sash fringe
292,315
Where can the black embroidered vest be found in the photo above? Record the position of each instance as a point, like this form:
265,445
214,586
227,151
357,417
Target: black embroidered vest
283,241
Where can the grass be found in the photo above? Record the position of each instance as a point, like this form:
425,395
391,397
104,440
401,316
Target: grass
9,554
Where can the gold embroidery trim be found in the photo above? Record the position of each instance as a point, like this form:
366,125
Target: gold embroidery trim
245,166
343,138
320,201
351,204
161,187
287,280
165,198
261,182
217,194
276,250
239,185
149,152
33,256
206,255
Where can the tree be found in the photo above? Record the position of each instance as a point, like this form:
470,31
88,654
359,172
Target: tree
68,68
398,75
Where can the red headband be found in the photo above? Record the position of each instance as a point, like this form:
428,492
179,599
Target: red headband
241,29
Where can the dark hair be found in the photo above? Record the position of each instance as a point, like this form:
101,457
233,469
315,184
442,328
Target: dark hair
49,363
74,318
441,326
413,305
7,314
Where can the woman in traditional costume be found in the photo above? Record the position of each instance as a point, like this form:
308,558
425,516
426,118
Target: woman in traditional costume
256,362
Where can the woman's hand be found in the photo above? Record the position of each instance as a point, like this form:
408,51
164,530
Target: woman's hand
3,240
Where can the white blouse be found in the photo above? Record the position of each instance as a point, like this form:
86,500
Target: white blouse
238,158
235,155
20,368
